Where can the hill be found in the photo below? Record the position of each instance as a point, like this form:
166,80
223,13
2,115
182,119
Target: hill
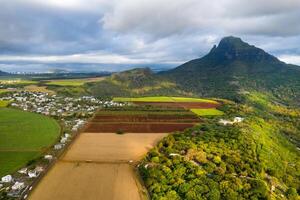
135,82
234,67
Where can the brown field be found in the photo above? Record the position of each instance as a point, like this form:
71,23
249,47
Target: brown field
186,105
145,118
98,127
111,147
96,167
88,181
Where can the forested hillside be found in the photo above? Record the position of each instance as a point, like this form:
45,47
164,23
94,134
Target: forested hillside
255,159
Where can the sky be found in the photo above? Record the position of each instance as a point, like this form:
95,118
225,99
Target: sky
114,35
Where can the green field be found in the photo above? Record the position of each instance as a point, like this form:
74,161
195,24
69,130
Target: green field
16,81
163,99
72,82
23,137
207,112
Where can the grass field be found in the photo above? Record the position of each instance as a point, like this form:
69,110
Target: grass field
4,103
16,81
207,112
163,99
23,137
73,82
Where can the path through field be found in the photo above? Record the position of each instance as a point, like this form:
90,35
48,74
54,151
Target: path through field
96,166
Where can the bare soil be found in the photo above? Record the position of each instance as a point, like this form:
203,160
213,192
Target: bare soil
111,147
88,181
130,127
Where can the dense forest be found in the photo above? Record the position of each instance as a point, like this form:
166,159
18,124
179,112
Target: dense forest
255,159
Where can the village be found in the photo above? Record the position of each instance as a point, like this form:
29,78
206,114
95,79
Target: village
70,112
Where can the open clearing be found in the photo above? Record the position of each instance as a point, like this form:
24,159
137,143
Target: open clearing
111,147
88,181
23,137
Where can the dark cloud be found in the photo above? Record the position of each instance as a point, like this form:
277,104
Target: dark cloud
132,32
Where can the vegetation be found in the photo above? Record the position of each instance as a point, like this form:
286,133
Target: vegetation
3,91
13,81
250,160
207,112
24,136
4,103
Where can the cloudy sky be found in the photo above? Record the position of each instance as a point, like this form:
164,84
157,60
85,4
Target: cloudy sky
110,35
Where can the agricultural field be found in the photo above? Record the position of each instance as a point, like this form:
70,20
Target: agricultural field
14,81
72,82
89,181
201,107
23,137
111,147
142,120
36,88
207,112
163,99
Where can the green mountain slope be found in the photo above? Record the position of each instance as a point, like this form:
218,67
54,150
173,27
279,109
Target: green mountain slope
235,67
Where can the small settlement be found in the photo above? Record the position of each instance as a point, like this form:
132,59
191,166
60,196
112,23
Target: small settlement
71,113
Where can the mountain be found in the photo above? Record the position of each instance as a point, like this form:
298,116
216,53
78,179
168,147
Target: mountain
235,67
2,73
230,70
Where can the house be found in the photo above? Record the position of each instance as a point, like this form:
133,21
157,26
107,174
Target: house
48,157
18,186
58,146
225,122
32,174
23,171
238,119
6,179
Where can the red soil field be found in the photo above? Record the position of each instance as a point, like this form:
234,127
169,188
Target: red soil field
93,127
186,105
145,118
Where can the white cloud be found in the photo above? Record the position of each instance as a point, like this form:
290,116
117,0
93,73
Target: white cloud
290,59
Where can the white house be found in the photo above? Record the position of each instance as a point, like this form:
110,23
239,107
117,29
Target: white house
18,186
6,179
